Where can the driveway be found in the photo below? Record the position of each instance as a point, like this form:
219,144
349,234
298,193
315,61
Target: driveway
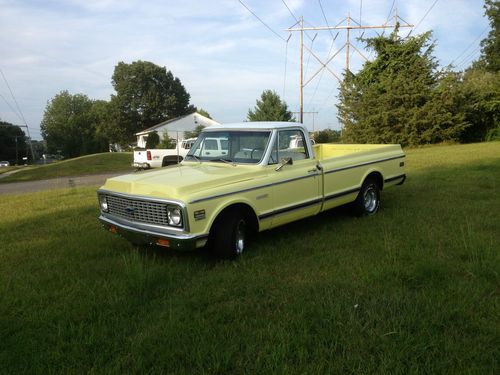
55,183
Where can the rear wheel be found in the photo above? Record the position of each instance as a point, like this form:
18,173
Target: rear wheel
368,200
230,235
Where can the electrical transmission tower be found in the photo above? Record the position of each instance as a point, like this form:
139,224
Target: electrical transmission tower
350,24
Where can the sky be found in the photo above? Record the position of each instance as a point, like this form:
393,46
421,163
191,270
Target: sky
224,56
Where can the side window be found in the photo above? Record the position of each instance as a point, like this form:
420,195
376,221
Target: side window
211,144
291,145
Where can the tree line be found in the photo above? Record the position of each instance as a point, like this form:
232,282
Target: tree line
399,97
402,97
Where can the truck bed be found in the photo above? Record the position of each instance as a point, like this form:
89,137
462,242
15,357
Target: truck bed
327,150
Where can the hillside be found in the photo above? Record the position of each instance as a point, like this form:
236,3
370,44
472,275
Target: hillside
84,165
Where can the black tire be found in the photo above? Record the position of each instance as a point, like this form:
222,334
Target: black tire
367,202
230,234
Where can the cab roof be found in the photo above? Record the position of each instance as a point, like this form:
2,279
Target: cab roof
254,125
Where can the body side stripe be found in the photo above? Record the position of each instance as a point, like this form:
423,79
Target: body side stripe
363,164
253,188
290,208
390,179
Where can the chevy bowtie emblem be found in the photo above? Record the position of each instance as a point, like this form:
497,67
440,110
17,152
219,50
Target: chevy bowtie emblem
130,210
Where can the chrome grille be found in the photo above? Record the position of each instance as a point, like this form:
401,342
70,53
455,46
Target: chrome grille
138,210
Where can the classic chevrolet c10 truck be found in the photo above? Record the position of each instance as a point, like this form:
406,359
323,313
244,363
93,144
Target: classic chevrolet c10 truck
260,175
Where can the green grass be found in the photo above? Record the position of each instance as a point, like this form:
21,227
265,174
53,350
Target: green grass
8,169
414,289
84,165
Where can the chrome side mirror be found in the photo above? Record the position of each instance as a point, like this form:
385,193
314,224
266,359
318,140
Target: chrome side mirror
284,162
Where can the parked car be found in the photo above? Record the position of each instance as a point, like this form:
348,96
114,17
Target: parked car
268,174
156,158
4,164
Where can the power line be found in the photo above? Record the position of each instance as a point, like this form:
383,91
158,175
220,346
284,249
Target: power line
20,112
390,11
467,59
11,108
265,24
425,15
293,15
324,16
470,45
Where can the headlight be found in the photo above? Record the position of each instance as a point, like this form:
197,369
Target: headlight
103,203
174,215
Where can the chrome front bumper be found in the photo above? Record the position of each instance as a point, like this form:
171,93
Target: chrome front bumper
152,237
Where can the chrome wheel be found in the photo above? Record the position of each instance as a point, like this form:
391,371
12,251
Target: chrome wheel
370,199
240,237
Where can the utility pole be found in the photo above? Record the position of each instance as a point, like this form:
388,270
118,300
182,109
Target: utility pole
348,42
29,138
302,70
17,158
324,64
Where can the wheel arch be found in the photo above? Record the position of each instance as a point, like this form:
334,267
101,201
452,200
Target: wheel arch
375,175
245,207
171,159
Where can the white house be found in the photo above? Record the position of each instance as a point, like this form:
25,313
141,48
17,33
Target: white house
175,128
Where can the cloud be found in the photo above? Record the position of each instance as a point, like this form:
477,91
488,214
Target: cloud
224,56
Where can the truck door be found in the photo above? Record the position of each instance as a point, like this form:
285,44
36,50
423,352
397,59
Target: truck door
296,185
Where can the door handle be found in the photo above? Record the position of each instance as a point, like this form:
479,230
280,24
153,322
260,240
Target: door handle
312,170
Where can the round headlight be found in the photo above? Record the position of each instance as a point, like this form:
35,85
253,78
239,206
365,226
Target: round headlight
174,216
103,202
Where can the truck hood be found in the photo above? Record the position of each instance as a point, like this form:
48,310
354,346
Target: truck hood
181,180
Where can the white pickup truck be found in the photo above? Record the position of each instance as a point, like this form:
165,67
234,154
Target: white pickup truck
158,157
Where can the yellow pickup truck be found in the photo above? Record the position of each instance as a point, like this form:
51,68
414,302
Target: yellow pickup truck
261,175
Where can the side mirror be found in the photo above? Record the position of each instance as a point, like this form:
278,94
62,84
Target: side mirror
284,162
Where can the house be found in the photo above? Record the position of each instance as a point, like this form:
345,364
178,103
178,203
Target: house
175,128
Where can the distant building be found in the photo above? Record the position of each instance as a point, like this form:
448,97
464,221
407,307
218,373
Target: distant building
175,128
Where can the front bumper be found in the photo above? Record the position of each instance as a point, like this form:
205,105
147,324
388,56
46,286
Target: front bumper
151,237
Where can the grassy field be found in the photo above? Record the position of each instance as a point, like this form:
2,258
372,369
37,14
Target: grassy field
414,289
84,165
8,169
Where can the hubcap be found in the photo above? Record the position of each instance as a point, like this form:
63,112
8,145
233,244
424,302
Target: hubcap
240,237
370,199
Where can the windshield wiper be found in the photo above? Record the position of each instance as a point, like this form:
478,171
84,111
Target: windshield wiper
194,157
227,161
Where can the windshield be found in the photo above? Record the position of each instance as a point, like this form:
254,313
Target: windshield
230,146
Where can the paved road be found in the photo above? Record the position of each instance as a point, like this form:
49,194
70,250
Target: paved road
54,183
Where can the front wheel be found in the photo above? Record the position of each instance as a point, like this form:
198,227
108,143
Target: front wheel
368,200
229,237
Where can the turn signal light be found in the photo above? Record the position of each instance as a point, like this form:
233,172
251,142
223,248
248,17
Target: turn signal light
162,242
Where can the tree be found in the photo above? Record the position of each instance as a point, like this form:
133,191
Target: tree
480,103
153,140
70,124
167,142
13,145
194,133
491,44
146,94
202,112
400,97
327,136
270,108
480,86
